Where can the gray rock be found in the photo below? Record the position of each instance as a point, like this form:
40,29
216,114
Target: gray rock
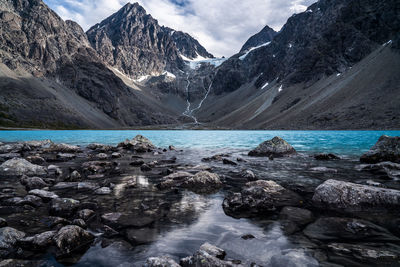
83,186
8,156
17,166
228,162
3,222
163,261
65,185
85,214
63,207
75,176
293,258
260,198
249,175
72,238
297,215
139,144
388,169
65,156
334,228
55,169
324,156
103,191
39,143
349,197
203,182
8,240
141,236
13,148
100,147
386,149
64,148
36,160
276,147
39,242
79,222
116,155
323,169
174,179
119,220
102,156
32,200
31,183
43,194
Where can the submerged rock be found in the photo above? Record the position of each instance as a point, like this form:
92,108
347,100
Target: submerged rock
297,215
63,207
64,148
17,167
346,196
119,220
249,175
72,238
208,255
334,228
386,149
260,198
39,242
276,147
325,156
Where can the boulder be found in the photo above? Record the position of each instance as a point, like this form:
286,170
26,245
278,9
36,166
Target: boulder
228,162
39,242
102,156
13,148
249,175
349,197
8,156
31,183
103,191
145,168
75,176
260,198
297,215
32,200
163,261
100,147
71,239
386,149
276,147
387,169
203,182
334,228
116,155
79,222
43,194
174,179
85,214
36,160
65,156
64,148
8,240
138,144
39,143
63,207
3,222
17,167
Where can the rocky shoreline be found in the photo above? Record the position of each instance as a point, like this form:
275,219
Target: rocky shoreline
61,200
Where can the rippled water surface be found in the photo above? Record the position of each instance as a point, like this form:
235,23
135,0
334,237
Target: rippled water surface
342,142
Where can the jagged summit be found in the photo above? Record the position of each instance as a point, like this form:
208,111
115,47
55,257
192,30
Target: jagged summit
262,37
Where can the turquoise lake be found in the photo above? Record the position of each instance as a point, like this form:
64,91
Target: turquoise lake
341,142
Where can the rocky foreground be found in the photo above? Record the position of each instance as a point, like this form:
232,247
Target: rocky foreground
62,199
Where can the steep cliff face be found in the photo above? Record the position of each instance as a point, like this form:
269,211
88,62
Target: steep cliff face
328,38
37,44
264,36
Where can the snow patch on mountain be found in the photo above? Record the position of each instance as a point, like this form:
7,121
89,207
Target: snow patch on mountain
252,49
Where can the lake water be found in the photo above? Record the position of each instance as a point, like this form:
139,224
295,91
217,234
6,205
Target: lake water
341,142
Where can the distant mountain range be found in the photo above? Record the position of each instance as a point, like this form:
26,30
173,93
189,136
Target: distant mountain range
334,66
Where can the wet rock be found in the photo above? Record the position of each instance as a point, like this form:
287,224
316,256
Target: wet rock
65,156
72,238
13,148
368,254
3,222
8,240
386,149
145,168
325,156
163,261
17,167
102,156
334,228
31,183
138,144
39,242
14,201
174,179
349,197
108,231
65,185
63,207
97,167
387,169
52,221
103,191
119,220
276,147
116,155
75,176
64,148
84,186
248,236
203,182
36,144
293,258
32,200
297,215
260,198
79,222
323,169
100,147
171,147
55,169
8,156
36,160
43,194
137,163
141,236
85,214
228,162
249,175
207,255
218,157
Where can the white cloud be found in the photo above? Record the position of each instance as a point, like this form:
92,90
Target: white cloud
221,26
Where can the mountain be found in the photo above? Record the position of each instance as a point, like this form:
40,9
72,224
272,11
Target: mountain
50,76
133,42
334,66
264,36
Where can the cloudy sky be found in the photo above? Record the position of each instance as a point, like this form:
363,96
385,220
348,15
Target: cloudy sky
221,26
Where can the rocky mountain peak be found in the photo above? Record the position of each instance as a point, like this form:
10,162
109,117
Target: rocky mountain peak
264,36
